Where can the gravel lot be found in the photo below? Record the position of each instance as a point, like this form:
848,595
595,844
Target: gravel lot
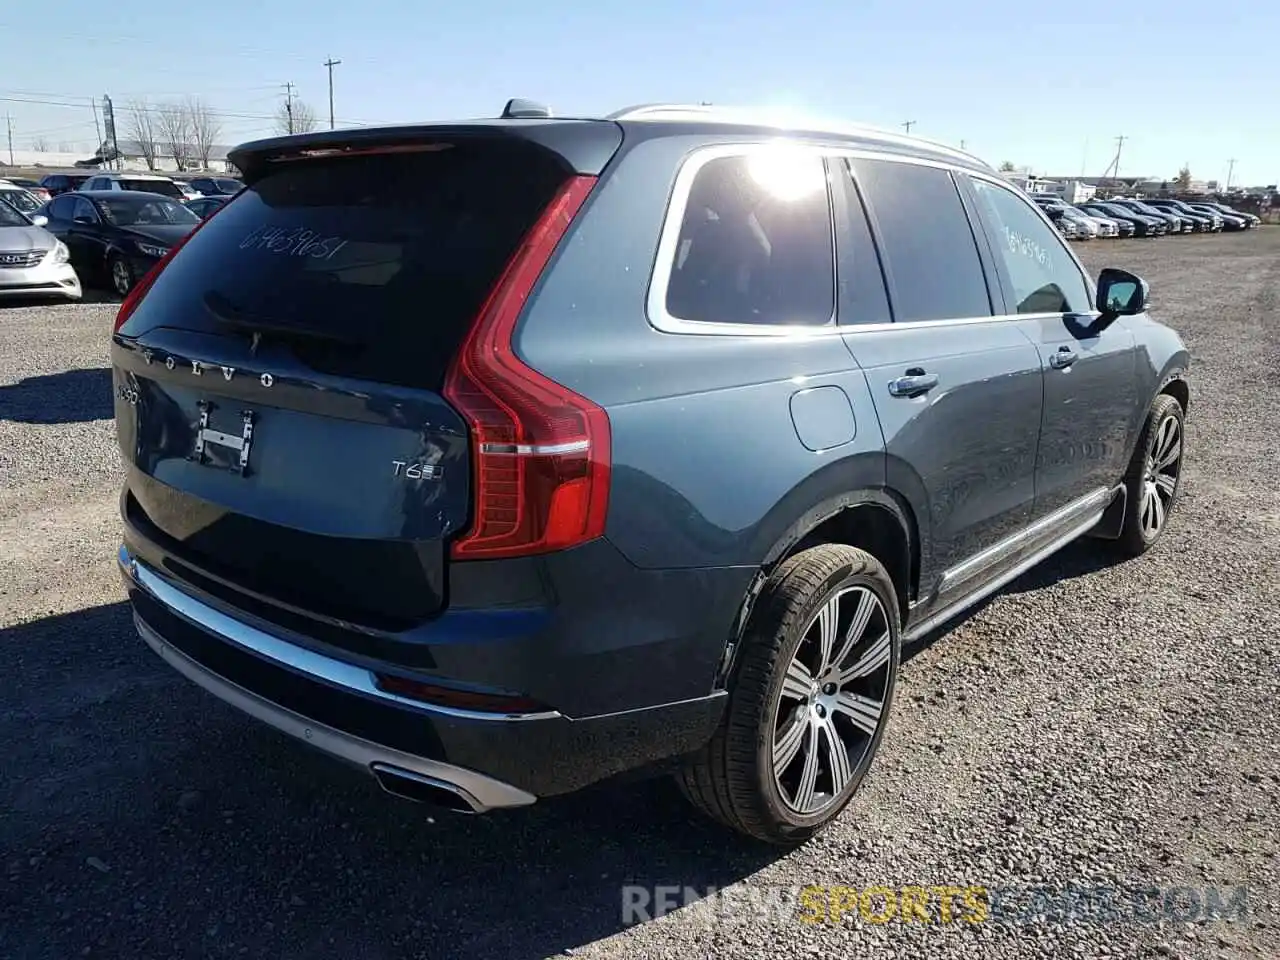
1093,724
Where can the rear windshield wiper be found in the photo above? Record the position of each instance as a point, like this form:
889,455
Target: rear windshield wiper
228,314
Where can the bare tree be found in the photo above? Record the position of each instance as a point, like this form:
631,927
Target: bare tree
205,129
175,132
295,117
1007,166
140,122
1184,179
39,144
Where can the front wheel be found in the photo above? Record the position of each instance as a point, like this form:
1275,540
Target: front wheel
808,707
121,275
1154,476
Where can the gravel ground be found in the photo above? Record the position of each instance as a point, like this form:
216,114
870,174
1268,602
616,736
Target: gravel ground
1094,724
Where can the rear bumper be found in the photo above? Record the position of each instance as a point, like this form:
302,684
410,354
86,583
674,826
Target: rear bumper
488,760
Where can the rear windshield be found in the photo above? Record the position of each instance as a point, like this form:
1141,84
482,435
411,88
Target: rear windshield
384,260
163,187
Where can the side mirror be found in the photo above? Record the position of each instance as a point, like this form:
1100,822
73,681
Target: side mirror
1121,294
40,220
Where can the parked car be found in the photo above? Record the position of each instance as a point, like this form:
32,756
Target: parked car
1143,226
57,183
206,205
1228,221
1174,222
217,186
1255,220
143,182
32,187
33,263
535,543
1086,226
1204,222
189,192
116,236
18,197
1069,228
1183,209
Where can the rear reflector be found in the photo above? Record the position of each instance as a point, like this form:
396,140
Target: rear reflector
140,288
457,699
540,452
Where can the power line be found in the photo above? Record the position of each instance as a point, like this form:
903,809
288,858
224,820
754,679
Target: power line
158,109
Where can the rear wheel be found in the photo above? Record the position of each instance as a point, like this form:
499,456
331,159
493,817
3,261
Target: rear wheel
1154,476
808,706
120,274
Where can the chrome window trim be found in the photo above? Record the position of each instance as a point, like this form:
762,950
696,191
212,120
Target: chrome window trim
669,238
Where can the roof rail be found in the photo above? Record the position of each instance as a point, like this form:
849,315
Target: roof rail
776,117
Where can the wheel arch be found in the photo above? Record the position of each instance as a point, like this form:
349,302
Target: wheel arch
878,520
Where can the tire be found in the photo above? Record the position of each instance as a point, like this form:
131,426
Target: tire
120,275
733,779
1162,434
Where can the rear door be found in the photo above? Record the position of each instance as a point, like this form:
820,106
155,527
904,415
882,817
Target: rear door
957,388
1090,375
278,387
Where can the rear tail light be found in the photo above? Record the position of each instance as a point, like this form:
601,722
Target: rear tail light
540,452
140,288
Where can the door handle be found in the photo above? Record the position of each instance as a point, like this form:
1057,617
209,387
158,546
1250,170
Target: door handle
1064,358
914,383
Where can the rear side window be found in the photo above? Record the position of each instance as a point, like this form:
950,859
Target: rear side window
928,243
370,267
755,243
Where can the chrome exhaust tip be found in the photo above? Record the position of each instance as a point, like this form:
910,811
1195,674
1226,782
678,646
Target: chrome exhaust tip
419,788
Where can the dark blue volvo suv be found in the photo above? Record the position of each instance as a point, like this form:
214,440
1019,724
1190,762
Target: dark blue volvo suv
499,458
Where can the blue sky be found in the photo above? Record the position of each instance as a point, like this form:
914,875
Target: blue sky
1044,85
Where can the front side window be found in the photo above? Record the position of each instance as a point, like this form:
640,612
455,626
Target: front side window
1041,272
755,244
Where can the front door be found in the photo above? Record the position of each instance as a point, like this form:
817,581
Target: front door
957,388
1090,381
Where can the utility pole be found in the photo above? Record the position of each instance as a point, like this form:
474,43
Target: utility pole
97,129
907,125
288,106
961,144
8,122
331,63
1231,168
1113,168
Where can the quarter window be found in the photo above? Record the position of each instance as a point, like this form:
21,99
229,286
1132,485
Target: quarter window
755,245
1041,272
926,240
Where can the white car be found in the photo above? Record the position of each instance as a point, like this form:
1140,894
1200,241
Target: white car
24,201
33,262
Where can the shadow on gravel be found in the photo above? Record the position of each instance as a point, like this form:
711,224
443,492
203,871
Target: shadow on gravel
1076,559
147,819
73,396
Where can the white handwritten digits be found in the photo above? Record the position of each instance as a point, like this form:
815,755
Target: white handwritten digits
298,242
1026,246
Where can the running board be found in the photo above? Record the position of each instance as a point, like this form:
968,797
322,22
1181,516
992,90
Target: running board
935,620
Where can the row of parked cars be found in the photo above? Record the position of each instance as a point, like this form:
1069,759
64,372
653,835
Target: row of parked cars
1148,217
106,229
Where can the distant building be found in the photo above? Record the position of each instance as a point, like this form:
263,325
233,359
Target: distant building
132,158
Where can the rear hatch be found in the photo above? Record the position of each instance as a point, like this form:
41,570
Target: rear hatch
278,385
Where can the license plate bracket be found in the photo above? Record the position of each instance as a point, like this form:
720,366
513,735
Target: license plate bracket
218,448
